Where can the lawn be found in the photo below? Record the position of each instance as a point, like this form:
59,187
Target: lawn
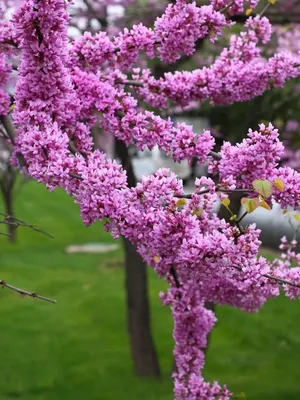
78,348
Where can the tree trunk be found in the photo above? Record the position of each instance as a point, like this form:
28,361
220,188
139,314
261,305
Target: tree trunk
7,185
138,311
8,202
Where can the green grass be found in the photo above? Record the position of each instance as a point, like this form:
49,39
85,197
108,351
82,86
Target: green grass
78,348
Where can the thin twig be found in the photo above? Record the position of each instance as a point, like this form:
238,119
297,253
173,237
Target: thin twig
130,83
11,43
10,220
242,217
2,131
77,176
5,234
264,9
9,128
25,292
190,195
215,155
223,10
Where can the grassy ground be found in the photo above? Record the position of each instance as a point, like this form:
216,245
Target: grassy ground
78,348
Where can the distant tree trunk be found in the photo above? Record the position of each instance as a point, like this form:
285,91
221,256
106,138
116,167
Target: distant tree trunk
136,283
138,312
7,186
11,229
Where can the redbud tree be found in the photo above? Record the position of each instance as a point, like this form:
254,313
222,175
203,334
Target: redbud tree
64,88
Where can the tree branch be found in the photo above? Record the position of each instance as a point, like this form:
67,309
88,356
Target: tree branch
173,272
9,128
10,220
25,292
204,191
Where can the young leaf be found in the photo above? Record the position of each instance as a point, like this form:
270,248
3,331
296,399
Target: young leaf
181,203
265,205
225,202
197,212
250,204
279,184
296,217
263,187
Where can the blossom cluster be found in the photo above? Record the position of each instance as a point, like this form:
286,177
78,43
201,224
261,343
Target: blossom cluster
174,34
235,6
240,73
256,157
59,96
4,76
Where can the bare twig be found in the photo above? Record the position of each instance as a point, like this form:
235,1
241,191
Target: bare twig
11,43
9,128
224,9
77,176
216,156
204,191
130,83
25,292
3,133
5,234
264,9
10,220
242,217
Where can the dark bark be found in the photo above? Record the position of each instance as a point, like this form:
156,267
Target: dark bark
136,283
7,186
138,311
11,229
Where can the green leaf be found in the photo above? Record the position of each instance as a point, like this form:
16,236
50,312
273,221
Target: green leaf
296,217
250,204
265,205
181,202
279,184
263,187
197,212
225,202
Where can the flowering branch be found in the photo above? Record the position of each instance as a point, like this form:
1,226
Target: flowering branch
273,278
57,97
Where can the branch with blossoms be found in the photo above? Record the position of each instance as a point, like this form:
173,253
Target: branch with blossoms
64,90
